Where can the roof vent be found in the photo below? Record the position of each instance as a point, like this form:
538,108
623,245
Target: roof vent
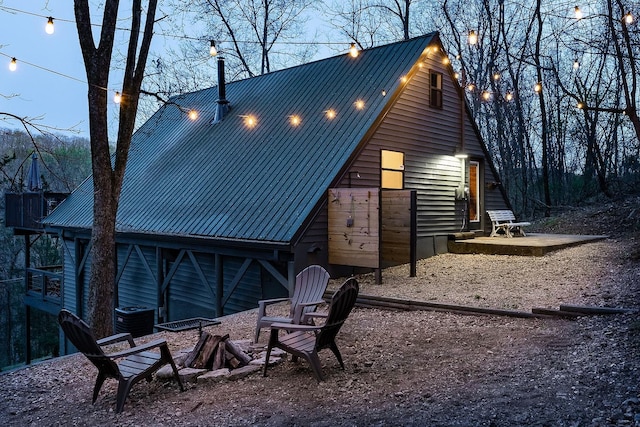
222,105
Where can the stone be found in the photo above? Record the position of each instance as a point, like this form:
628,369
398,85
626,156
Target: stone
261,361
214,376
190,374
245,371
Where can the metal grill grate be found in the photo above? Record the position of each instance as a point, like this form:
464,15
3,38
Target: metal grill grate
186,324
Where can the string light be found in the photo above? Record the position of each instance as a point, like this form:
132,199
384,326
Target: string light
384,92
117,98
486,95
576,64
295,120
628,18
538,87
330,113
359,104
353,50
496,76
13,65
49,27
578,13
249,121
473,38
509,96
212,49
193,115
580,105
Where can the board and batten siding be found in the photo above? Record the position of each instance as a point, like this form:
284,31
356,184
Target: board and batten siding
136,288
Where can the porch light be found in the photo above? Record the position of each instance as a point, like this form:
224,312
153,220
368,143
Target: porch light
49,27
459,154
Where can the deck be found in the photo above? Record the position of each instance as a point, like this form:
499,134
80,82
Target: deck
532,245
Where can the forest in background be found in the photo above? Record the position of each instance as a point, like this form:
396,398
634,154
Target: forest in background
65,161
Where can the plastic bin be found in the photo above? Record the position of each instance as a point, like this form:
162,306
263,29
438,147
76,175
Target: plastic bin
138,321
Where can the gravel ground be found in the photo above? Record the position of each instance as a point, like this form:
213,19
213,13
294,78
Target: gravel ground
407,368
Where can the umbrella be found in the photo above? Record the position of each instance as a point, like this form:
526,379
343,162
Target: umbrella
33,180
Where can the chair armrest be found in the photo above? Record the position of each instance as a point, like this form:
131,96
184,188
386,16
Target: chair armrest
272,301
294,327
126,336
138,349
305,304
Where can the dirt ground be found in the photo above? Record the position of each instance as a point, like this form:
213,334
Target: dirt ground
413,368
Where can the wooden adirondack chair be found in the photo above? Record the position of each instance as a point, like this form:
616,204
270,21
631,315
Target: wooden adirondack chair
311,283
307,340
136,363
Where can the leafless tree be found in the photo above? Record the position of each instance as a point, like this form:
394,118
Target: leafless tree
108,176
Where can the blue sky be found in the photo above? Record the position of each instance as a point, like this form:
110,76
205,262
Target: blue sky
31,91
50,82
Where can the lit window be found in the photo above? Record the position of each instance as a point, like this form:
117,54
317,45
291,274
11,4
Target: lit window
392,169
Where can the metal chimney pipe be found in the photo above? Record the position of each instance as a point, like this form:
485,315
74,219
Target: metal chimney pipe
221,83
222,104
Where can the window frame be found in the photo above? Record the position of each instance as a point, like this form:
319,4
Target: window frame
435,91
393,171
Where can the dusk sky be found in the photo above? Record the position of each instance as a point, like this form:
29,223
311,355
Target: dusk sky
43,84
49,83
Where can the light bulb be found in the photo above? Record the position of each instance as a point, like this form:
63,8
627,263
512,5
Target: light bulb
473,38
295,120
353,50
580,105
330,113
49,27
117,98
359,104
509,96
212,50
538,87
578,13
628,18
193,115
13,64
250,121
486,95
496,76
576,64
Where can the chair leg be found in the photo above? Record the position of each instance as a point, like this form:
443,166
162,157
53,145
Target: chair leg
314,361
334,349
96,389
123,391
257,335
166,355
273,339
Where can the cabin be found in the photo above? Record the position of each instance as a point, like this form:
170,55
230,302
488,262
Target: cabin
354,163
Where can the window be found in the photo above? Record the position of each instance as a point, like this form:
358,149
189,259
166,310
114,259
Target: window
474,191
435,93
392,164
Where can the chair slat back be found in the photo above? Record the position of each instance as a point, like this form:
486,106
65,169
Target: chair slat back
81,336
342,302
311,283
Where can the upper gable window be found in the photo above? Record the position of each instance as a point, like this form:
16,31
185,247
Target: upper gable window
435,92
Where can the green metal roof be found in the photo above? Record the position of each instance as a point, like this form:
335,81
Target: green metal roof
228,181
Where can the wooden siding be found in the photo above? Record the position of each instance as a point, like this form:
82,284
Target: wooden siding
135,286
187,295
354,231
